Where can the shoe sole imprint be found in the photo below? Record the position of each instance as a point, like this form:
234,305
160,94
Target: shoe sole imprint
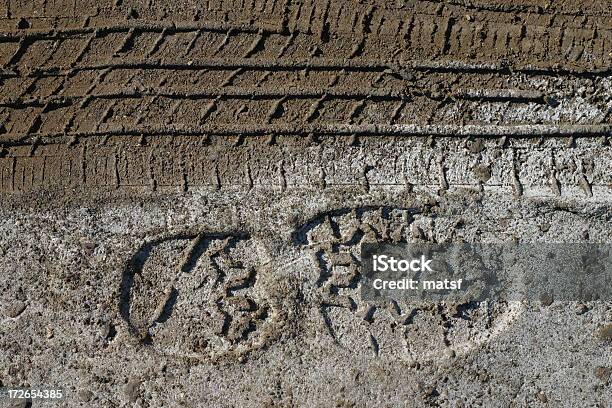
205,295
410,331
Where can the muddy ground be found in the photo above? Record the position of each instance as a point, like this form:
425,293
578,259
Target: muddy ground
179,182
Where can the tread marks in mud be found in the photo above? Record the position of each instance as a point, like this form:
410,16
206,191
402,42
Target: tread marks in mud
170,64
486,32
238,78
199,295
137,164
406,331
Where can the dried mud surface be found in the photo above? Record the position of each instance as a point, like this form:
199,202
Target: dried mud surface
185,186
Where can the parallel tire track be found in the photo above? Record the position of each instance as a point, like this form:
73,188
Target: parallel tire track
302,68
558,166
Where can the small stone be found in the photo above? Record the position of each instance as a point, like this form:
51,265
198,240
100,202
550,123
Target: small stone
15,309
132,390
581,309
542,397
437,92
23,403
546,299
85,395
605,333
477,146
450,353
416,232
436,95
544,227
603,373
483,173
88,247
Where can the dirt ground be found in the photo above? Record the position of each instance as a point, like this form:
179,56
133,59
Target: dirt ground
180,182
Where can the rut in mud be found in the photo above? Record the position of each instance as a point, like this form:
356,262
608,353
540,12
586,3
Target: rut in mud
85,87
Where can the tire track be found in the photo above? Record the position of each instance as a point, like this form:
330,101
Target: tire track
518,168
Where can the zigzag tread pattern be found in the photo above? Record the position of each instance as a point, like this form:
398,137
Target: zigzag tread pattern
519,167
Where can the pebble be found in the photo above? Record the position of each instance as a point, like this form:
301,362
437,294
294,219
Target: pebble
483,173
85,395
477,146
603,373
21,404
15,309
542,397
546,299
132,390
581,309
427,391
88,247
605,333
